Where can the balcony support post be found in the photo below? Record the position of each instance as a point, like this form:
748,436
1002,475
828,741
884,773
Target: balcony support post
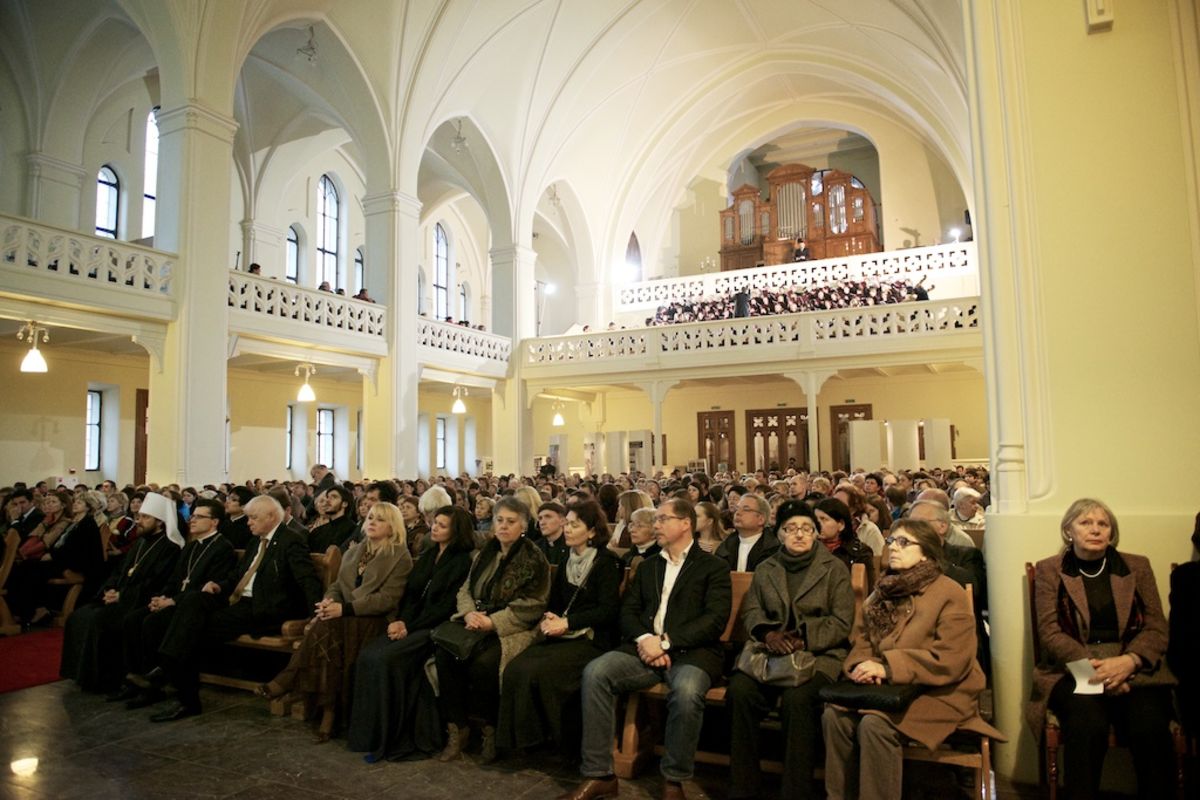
514,313
656,391
810,382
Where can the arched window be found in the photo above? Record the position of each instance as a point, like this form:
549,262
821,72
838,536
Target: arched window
108,200
633,259
150,187
359,273
291,269
462,302
327,233
441,272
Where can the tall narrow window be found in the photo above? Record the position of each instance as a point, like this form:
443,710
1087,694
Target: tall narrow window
358,439
441,272
327,233
325,436
91,448
108,199
287,442
441,442
359,270
150,191
462,302
291,270
633,258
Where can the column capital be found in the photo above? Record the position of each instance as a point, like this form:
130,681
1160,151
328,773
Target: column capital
198,116
513,252
391,201
657,389
810,381
43,165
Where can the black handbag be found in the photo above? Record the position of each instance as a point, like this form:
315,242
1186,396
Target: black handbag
455,639
890,697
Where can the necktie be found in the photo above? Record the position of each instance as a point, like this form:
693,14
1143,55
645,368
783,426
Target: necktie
245,581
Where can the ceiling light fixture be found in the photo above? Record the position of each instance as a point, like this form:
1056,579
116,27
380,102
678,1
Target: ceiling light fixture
558,420
309,51
459,406
459,142
306,393
33,361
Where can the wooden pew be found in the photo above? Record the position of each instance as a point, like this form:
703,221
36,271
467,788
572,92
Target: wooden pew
8,625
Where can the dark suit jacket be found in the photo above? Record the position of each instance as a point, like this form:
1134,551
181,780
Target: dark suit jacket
285,586
210,560
333,532
25,525
237,532
598,604
555,552
78,549
763,549
433,586
965,566
697,610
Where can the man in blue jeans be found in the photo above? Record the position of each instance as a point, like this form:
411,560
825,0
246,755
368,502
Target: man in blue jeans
671,624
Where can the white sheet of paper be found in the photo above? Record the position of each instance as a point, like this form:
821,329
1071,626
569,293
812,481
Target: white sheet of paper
1083,671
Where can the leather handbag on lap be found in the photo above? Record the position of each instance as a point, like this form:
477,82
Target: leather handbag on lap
793,669
455,639
889,697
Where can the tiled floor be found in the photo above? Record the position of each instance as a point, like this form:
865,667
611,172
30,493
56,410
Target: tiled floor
91,749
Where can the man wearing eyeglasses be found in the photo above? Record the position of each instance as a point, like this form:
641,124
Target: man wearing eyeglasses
207,556
672,618
749,548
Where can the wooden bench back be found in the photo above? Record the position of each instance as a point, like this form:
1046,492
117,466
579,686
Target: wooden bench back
11,542
735,631
858,583
327,565
1031,583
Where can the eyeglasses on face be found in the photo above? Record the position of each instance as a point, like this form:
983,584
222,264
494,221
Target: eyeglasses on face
899,541
662,518
798,530
201,516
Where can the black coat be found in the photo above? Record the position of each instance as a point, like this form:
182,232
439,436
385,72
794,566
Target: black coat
237,531
598,603
763,549
286,585
1183,648
697,610
210,560
333,533
25,525
431,596
78,549
150,561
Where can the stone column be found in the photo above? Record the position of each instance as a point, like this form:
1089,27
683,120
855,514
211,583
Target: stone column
390,442
512,427
187,441
810,382
513,303
656,392
54,192
264,244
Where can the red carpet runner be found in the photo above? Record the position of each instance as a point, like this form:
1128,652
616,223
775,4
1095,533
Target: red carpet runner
30,659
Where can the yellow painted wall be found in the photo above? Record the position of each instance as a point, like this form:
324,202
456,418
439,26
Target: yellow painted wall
479,408
958,397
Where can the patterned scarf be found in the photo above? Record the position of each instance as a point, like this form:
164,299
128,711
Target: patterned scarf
882,611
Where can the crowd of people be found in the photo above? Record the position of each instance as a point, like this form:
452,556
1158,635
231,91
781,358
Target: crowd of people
791,300
528,606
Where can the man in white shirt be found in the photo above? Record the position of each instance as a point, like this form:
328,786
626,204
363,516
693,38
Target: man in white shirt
672,618
750,547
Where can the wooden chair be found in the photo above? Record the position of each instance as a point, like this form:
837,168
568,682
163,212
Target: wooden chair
1052,730
76,581
8,625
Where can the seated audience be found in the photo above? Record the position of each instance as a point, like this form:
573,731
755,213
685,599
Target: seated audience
26,514
552,519
237,526
710,532
1183,652
339,524
641,539
799,600
414,522
751,546
57,509
1097,604
836,533
867,532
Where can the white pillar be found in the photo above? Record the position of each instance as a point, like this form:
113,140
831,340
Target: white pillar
514,313
903,445
265,245
865,452
54,192
187,397
938,450
810,382
656,392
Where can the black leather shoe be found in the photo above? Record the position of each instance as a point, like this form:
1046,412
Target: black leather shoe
175,712
154,679
144,699
126,692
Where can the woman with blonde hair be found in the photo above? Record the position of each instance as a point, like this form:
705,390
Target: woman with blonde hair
356,608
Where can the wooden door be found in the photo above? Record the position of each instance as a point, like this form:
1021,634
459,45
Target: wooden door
776,439
716,441
141,409
839,417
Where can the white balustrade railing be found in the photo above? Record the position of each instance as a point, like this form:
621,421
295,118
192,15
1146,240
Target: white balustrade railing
284,300
35,248
451,338
940,262
812,330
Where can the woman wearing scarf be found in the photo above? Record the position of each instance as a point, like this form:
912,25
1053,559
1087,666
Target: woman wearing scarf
503,597
800,599
916,628
836,534
580,624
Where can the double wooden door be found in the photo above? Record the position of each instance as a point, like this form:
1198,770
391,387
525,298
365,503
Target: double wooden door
717,443
776,439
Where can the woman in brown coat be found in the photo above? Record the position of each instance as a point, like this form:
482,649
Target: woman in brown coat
1096,604
356,608
916,628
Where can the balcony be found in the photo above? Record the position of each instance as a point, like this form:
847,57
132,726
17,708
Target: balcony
461,349
272,309
953,268
64,267
867,335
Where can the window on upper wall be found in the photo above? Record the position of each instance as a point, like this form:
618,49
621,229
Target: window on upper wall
441,272
287,441
150,190
325,436
441,442
633,258
359,270
92,425
108,200
291,269
462,302
327,233
358,447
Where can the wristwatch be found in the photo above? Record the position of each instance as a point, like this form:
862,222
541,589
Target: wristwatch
664,642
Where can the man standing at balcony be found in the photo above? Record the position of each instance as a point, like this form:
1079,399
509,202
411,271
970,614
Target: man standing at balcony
672,618
750,547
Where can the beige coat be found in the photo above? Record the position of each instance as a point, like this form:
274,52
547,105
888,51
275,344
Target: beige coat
933,644
383,581
1063,623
